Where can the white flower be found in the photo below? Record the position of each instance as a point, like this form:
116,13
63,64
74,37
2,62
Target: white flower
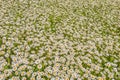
2,53
34,74
38,77
28,73
32,78
38,61
52,78
23,73
3,46
39,66
24,78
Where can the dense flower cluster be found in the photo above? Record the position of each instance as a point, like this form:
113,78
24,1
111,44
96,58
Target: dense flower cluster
59,40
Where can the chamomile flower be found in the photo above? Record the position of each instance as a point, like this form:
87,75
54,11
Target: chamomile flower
23,73
2,53
32,78
38,77
28,73
39,66
24,78
100,78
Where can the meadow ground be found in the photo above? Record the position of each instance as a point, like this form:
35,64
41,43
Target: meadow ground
59,39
